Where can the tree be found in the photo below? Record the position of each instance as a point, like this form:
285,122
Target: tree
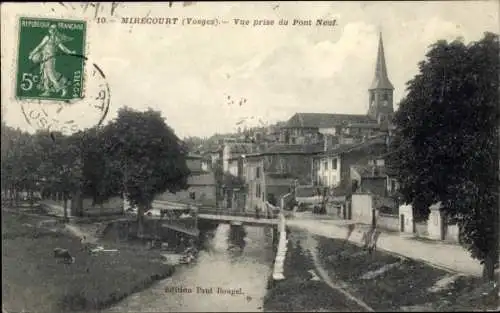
101,178
150,157
20,161
61,166
446,141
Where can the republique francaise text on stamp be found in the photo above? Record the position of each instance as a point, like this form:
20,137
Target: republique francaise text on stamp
46,67
51,71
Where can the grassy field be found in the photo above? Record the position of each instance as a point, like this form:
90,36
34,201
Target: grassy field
299,293
406,284
383,281
34,281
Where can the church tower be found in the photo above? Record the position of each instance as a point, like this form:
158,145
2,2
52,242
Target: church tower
381,90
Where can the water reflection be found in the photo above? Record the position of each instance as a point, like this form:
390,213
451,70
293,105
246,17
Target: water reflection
231,257
236,240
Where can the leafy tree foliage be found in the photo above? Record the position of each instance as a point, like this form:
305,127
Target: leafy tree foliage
446,142
101,177
149,156
19,162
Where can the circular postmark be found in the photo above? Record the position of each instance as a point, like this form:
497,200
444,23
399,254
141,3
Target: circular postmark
65,103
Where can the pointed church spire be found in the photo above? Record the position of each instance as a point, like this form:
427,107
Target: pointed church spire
381,80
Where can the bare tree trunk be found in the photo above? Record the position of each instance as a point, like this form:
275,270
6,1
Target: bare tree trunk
16,195
65,200
489,267
31,199
140,220
11,195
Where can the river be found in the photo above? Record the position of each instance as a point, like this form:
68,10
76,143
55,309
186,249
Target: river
233,259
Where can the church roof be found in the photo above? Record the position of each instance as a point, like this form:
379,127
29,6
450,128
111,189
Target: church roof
381,80
325,120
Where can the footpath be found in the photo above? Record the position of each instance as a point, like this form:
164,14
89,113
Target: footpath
450,257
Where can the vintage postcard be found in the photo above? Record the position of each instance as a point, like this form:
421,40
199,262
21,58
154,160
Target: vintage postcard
318,156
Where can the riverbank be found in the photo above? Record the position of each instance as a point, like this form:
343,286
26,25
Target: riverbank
33,280
391,283
315,266
302,289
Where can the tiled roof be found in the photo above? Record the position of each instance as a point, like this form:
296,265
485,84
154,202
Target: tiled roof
379,140
325,120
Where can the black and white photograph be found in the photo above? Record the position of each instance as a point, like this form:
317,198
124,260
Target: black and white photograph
250,156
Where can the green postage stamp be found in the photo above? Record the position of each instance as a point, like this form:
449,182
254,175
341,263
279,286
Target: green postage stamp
50,59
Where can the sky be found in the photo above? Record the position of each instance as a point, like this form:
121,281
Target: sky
197,75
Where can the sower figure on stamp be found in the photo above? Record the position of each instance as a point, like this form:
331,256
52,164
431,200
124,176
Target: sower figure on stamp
45,54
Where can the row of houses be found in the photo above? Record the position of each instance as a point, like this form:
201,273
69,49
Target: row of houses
339,154
337,161
271,172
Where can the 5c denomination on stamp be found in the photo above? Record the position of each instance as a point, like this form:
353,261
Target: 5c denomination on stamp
46,66
59,88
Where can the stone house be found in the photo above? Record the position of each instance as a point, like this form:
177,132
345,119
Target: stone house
202,187
332,168
271,173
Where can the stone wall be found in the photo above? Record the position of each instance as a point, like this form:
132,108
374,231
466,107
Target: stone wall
388,222
361,208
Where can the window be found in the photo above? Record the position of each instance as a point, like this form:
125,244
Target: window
325,165
192,195
334,163
257,172
257,191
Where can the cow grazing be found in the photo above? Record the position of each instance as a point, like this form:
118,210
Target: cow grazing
63,254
